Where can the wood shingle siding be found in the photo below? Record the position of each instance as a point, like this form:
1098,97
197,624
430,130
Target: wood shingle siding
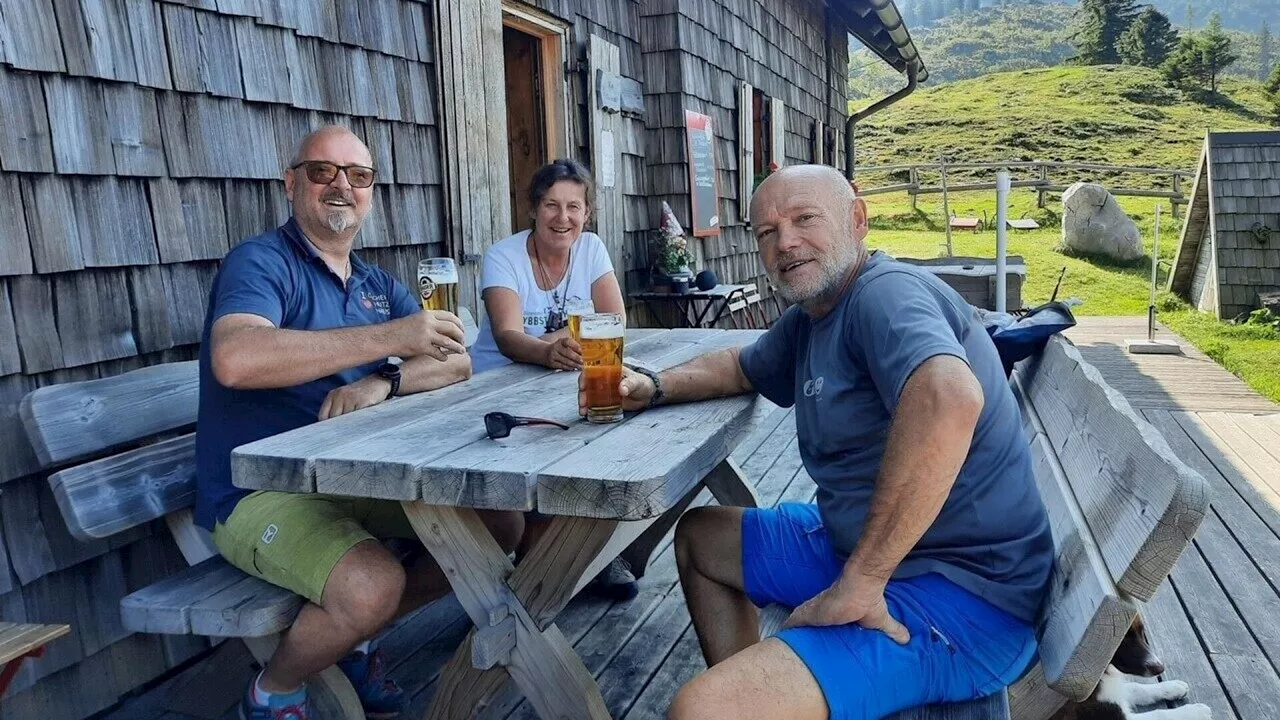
24,125
139,141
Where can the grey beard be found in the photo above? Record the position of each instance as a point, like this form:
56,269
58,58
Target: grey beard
338,221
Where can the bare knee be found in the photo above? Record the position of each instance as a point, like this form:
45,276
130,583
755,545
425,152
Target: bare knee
365,588
506,527
708,532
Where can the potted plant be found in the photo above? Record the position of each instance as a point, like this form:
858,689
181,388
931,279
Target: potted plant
671,271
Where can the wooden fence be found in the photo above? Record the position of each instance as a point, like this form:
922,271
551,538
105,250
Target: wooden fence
1037,174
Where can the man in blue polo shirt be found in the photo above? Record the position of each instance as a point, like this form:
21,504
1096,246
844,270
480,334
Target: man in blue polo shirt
917,576
300,330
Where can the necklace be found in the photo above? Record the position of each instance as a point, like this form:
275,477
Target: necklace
546,278
555,318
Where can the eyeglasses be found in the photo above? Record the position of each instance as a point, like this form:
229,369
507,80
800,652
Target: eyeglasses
323,173
498,424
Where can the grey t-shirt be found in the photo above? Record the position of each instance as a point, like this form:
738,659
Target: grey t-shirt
845,374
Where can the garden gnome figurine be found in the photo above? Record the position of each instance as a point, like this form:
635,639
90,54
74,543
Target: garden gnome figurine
670,226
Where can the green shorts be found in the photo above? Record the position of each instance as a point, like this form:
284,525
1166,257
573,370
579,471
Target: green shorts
294,540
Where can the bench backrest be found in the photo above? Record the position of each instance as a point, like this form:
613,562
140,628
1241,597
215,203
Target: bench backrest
79,420
1122,508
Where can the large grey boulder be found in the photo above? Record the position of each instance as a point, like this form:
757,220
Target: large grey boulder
1093,223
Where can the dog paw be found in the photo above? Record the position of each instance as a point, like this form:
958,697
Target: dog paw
1173,690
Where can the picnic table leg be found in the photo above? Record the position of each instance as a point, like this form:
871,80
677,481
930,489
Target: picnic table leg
516,603
729,486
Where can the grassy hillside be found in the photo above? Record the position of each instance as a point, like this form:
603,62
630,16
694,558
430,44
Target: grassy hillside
1113,115
1120,114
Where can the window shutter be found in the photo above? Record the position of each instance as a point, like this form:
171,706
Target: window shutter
746,148
778,140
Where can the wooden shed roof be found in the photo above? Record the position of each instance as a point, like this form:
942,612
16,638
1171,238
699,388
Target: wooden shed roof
878,25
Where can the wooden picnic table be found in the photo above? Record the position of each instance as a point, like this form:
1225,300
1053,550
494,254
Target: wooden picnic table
611,489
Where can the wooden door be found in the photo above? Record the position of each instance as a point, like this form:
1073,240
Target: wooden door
526,117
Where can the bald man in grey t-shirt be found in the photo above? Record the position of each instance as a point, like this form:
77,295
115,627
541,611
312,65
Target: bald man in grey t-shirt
917,576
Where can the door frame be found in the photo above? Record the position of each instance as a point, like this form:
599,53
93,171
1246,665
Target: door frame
553,35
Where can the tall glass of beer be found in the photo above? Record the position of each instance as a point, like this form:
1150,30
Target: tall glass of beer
601,340
438,284
575,309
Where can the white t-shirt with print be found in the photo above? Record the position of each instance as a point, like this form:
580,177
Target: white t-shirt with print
507,264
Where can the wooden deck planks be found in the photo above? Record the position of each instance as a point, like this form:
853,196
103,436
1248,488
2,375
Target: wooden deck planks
1188,382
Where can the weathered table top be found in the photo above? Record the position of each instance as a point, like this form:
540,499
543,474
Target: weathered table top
433,447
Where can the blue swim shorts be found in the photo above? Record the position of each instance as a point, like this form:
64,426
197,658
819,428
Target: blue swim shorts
961,648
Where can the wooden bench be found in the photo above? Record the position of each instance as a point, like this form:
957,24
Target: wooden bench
1122,508
19,641
124,456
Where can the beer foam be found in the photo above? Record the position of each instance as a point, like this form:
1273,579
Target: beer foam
601,329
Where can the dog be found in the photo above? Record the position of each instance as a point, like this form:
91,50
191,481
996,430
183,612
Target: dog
1115,697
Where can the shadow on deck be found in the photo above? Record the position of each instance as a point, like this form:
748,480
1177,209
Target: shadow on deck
1214,623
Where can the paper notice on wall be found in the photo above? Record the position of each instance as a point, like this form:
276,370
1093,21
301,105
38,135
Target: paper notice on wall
608,164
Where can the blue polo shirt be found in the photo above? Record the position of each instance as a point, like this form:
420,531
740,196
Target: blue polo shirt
279,276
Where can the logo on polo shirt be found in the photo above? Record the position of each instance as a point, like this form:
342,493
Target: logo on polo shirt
813,388
378,302
269,534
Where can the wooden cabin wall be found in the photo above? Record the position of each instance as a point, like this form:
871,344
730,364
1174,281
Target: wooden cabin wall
696,55
1245,168
139,141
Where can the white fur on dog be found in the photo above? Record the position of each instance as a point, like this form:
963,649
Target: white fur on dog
1116,689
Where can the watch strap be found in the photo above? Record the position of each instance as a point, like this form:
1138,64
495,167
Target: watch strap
391,372
658,392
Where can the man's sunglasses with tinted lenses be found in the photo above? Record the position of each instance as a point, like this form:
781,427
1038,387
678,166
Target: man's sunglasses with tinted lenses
323,173
498,424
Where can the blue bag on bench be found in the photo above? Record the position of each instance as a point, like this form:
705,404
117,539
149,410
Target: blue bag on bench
1018,338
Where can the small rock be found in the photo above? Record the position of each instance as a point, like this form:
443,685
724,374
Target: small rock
1093,223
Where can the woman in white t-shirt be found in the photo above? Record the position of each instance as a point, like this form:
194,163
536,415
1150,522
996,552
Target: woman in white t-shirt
527,283
529,279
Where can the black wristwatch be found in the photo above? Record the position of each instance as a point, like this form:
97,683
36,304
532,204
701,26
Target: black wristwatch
658,393
391,372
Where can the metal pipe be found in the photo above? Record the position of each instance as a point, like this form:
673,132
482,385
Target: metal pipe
1002,235
912,71
1155,266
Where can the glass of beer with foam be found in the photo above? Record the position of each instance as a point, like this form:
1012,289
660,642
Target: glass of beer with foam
601,340
438,284
575,309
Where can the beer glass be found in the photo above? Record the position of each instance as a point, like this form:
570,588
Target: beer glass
575,309
601,341
438,284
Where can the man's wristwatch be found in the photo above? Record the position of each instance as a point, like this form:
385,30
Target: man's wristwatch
391,372
658,393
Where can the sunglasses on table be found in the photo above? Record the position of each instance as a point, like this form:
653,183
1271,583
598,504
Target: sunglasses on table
323,173
499,424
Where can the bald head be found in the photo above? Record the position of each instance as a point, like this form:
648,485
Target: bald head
823,181
811,229
325,135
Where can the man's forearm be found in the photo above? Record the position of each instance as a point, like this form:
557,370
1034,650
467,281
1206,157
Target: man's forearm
716,374
423,373
927,445
262,357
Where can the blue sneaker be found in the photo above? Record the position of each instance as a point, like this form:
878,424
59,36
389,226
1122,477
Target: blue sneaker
381,697
280,707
